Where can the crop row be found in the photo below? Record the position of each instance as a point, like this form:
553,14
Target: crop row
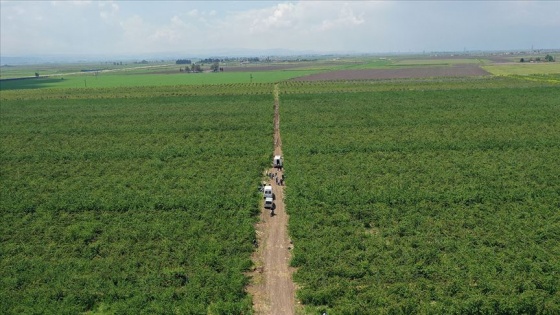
141,205
142,92
438,202
427,84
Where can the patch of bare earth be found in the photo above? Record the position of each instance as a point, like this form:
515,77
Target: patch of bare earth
401,73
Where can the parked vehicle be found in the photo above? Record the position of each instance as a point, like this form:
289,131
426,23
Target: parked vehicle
268,193
268,203
277,161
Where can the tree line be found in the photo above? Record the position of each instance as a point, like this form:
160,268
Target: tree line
231,59
547,58
192,68
197,67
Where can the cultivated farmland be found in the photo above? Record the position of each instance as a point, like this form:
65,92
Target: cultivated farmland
440,201
413,72
437,193
130,205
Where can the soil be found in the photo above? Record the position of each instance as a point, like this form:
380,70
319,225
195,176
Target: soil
271,286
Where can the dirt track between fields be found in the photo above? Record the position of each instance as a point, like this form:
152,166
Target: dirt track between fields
272,287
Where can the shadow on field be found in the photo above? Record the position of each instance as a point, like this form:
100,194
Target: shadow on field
28,83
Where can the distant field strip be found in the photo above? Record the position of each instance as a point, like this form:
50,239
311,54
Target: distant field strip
108,80
526,68
439,61
399,73
417,84
111,93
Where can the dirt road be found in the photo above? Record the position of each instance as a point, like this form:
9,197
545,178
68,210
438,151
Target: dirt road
272,286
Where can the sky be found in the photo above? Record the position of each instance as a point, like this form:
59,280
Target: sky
215,28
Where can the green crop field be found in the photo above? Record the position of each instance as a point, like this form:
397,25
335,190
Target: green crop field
129,203
105,80
525,68
420,84
430,201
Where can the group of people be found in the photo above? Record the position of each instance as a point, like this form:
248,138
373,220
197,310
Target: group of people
279,180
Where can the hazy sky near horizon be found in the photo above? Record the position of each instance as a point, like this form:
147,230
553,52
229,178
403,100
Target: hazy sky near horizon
194,27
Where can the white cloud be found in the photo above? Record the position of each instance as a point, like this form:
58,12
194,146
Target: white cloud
303,25
193,13
304,16
133,34
346,18
175,20
282,16
109,10
170,34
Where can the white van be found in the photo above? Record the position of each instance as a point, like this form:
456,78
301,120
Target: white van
277,161
268,203
268,192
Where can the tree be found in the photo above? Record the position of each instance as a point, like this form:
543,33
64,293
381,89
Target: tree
36,74
215,66
549,58
522,60
196,68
